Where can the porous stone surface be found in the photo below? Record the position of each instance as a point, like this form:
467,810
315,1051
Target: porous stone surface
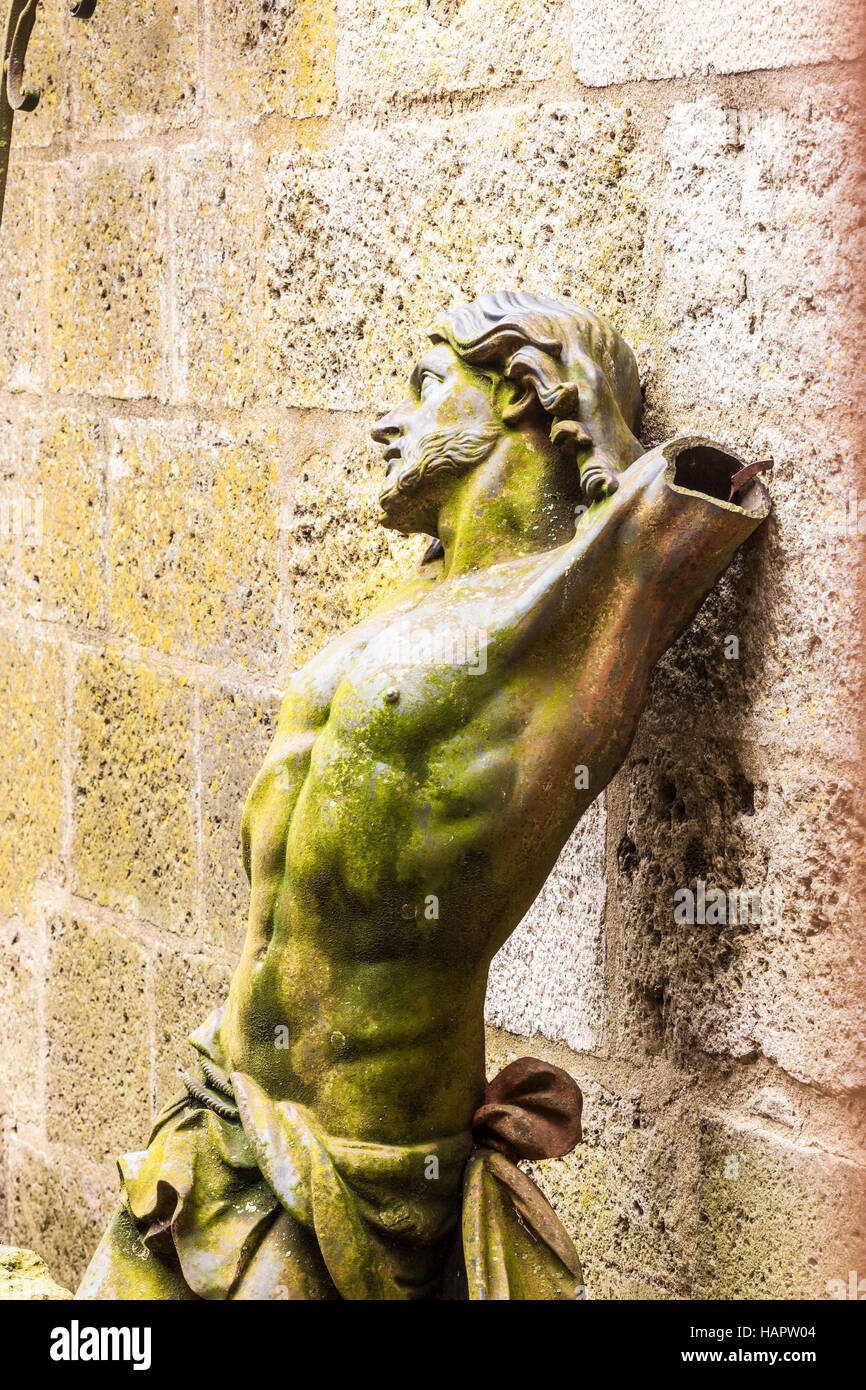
114,97
550,981
98,1075
31,770
271,59
452,206
24,1276
106,277
62,472
627,40
185,990
134,819
236,731
59,1205
194,531
397,48
778,1220
22,344
216,295
784,983
341,563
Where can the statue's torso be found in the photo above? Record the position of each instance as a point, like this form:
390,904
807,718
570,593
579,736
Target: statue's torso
404,820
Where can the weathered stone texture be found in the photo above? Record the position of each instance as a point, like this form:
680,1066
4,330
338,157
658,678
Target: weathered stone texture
235,732
792,681
59,1209
107,292
626,40
790,988
778,1220
217,313
271,59
31,786
368,243
98,1071
194,531
398,48
135,68
341,562
23,1276
549,977
21,972
63,474
761,296
185,990
134,842
22,344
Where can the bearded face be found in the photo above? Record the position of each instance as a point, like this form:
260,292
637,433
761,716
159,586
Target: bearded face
411,486
445,428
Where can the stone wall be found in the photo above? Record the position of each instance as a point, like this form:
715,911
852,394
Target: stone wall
226,229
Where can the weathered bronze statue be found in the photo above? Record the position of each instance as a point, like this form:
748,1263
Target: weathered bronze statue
338,1139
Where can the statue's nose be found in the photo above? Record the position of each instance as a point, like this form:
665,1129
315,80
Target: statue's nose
382,430
389,425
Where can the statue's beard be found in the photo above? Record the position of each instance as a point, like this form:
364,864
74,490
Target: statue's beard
441,452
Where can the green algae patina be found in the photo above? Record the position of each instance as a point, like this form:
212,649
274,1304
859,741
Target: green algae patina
426,771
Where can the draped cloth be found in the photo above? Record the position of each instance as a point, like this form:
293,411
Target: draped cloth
448,1218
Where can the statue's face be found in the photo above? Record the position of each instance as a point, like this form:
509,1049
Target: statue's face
446,426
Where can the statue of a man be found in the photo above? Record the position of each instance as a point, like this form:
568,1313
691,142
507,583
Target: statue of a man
427,769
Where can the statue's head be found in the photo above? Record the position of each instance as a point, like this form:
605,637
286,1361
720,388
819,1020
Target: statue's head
507,364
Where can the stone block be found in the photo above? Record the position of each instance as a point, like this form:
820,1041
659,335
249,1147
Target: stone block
369,241
64,476
21,972
396,48
779,977
194,532
761,244
631,40
217,312
134,69
186,988
778,1220
31,774
107,291
271,59
22,341
23,1276
235,732
341,562
59,1208
549,977
134,836
98,1053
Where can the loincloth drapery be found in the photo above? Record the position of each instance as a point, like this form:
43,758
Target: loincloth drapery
450,1218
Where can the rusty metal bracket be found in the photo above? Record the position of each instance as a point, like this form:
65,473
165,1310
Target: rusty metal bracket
745,475
14,96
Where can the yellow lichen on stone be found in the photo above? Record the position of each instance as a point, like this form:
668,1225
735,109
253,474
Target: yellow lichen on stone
134,841
341,562
277,61
106,293
64,481
23,1275
31,788
194,530
117,95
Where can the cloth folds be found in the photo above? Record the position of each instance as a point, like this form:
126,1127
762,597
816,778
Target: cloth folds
226,1162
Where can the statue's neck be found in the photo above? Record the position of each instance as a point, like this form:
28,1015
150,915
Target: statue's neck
520,501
